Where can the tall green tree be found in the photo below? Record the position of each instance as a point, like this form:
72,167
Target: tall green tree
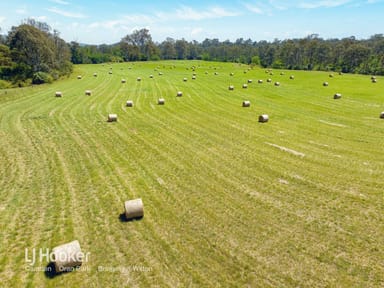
62,56
2,37
167,49
31,47
138,46
181,47
6,63
37,53
77,56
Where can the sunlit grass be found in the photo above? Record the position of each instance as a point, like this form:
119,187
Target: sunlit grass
228,201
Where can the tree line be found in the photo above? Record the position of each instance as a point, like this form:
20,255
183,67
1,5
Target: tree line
348,55
33,53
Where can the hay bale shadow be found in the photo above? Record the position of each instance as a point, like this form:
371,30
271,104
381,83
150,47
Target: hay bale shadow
50,270
123,218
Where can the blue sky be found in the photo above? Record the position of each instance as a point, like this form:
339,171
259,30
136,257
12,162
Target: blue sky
98,22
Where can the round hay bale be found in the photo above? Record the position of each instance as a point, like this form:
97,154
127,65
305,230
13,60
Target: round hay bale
260,81
179,94
382,115
245,86
112,117
67,256
134,209
110,72
123,81
138,79
151,76
231,87
185,79
331,75
246,103
216,73
249,80
337,96
281,73
277,83
129,103
79,77
160,73
325,84
88,92
269,80
263,118
94,74
193,77
374,80
59,94
231,74
373,77
161,101
292,77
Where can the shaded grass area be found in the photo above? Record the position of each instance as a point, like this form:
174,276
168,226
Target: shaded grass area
223,207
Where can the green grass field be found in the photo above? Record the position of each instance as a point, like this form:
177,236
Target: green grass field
229,201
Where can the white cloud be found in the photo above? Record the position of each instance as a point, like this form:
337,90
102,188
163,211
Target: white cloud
279,5
40,18
22,10
124,22
105,24
61,2
183,13
66,13
116,27
254,8
139,18
196,31
323,4
267,7
188,13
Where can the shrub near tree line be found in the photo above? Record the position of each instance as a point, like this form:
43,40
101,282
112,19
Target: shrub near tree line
41,77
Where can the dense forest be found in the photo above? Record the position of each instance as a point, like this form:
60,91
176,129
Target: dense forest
33,53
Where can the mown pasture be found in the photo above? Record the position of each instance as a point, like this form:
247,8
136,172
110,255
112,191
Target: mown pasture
228,201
